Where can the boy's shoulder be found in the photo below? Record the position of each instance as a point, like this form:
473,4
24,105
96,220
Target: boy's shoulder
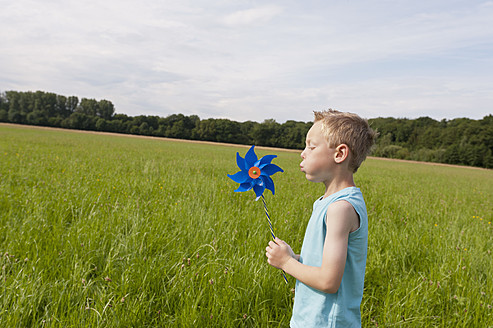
341,215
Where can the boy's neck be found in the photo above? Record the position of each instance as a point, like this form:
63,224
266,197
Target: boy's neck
338,183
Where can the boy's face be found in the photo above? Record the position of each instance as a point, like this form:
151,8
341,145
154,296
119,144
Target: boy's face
318,158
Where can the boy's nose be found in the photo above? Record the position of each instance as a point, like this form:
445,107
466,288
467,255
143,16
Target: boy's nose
302,154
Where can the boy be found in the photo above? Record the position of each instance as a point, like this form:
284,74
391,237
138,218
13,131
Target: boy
330,270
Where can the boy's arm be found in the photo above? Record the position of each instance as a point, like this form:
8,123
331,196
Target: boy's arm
341,220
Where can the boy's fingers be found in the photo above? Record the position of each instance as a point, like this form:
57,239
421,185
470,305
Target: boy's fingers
278,241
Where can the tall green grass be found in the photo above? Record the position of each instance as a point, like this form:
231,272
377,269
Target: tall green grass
114,231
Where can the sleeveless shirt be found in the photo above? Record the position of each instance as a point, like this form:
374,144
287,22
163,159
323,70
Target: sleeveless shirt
314,308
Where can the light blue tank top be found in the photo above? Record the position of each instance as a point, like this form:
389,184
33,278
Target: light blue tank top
313,308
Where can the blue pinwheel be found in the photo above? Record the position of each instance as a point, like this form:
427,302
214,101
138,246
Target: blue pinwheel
255,173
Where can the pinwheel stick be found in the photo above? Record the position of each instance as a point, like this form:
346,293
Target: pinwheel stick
272,231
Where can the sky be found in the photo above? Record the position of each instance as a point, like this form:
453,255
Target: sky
255,60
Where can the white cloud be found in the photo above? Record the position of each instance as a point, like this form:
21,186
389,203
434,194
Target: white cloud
251,16
235,59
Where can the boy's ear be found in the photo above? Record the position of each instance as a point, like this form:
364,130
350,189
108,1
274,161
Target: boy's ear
342,152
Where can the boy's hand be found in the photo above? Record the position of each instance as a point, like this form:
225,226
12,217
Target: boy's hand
278,253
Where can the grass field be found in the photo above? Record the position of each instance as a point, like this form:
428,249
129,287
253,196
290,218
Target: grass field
114,231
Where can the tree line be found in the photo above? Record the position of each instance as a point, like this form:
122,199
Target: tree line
458,141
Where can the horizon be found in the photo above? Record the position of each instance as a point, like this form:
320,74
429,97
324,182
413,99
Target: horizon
280,122
218,118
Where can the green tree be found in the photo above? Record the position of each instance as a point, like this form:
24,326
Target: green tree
37,117
4,103
15,114
80,121
101,124
4,115
88,107
452,154
144,128
105,109
292,134
178,130
266,133
71,105
488,159
61,106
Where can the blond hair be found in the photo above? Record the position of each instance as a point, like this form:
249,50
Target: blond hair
349,129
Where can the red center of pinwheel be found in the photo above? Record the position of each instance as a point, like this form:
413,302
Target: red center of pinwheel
254,172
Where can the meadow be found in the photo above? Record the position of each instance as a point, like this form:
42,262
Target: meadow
119,231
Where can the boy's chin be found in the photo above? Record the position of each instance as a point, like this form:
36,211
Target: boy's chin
310,177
